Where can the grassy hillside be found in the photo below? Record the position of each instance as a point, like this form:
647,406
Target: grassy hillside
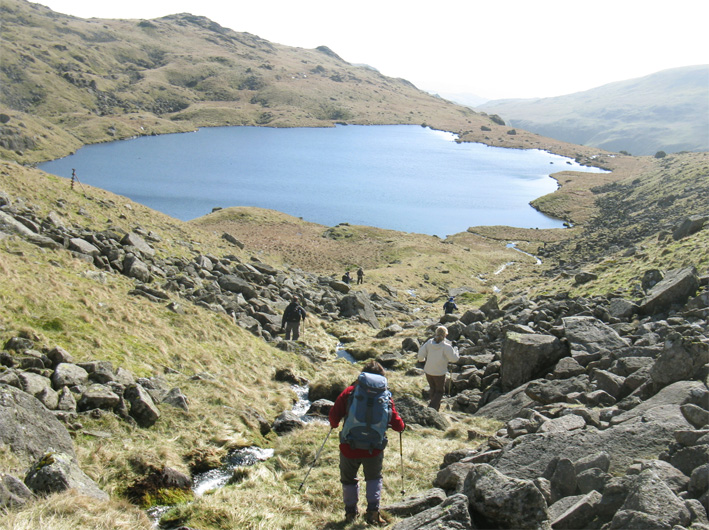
666,111
58,300
69,81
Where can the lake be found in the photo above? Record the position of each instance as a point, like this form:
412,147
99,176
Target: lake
402,177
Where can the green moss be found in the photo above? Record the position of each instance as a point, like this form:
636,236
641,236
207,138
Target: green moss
472,298
52,324
166,497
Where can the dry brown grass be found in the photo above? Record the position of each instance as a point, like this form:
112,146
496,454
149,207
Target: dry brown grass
69,511
50,295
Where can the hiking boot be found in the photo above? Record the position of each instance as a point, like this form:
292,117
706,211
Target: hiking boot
373,518
350,517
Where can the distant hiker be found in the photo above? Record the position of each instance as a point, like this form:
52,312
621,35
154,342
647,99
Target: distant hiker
437,352
360,276
292,316
449,306
73,177
347,278
368,410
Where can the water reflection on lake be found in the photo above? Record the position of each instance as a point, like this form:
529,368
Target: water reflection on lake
402,177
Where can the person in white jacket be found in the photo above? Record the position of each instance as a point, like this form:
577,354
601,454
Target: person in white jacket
437,352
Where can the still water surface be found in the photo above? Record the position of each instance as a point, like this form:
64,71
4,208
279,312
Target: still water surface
402,177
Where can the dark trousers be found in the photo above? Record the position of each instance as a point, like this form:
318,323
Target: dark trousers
372,467
294,329
437,384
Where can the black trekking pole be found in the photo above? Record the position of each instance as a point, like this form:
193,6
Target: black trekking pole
315,460
401,452
450,386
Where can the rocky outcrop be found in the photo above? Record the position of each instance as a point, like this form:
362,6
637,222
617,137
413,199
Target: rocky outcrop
66,389
253,292
605,408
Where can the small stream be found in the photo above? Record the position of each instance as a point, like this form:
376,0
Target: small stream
513,246
218,478
213,479
342,353
203,483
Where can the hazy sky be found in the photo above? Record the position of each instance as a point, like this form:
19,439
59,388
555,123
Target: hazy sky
493,48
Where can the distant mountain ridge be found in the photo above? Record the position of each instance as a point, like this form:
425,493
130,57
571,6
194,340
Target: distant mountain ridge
665,111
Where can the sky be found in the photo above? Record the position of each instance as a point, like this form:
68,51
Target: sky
493,49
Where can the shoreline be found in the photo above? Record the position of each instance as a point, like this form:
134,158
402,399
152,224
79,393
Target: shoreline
468,210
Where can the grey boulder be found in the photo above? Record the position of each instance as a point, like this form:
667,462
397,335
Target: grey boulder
56,472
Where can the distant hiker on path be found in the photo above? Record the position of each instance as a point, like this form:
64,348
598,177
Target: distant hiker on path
360,276
347,278
292,316
449,306
368,410
437,352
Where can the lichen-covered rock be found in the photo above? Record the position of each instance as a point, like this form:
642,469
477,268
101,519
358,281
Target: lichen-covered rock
416,504
142,407
413,411
452,477
28,428
650,504
527,356
287,422
579,514
56,472
675,288
67,374
176,398
98,397
505,501
452,514
358,305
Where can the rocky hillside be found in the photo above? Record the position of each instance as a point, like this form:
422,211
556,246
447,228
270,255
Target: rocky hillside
666,111
122,327
138,352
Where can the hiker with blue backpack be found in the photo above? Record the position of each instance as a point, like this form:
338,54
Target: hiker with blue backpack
368,410
437,352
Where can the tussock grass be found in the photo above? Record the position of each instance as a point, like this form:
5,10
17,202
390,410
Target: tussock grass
69,511
269,496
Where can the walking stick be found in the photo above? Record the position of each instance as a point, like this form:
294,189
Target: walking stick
315,460
401,452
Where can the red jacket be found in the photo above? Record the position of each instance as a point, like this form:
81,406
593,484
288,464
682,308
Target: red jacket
339,411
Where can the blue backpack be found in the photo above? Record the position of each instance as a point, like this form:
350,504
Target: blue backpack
368,413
